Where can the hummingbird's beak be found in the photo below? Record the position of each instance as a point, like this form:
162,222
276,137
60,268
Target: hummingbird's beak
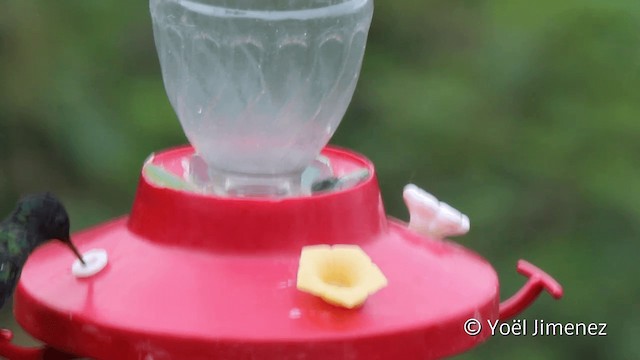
74,249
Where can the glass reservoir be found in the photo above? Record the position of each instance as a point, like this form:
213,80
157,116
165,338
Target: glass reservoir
260,86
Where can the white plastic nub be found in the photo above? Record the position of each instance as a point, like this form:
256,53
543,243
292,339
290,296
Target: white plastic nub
95,260
430,217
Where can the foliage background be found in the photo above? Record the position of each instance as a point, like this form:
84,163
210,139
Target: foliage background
522,114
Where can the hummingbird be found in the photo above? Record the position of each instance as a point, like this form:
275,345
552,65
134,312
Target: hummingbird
36,219
333,183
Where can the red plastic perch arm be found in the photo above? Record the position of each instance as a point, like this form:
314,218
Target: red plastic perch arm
538,281
14,352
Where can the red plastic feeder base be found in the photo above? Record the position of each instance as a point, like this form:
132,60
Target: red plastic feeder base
194,276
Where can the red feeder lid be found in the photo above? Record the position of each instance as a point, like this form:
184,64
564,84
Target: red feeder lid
201,277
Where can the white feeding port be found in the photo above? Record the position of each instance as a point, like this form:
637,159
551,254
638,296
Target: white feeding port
95,260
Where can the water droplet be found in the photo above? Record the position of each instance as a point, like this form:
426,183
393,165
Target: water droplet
295,313
286,284
199,110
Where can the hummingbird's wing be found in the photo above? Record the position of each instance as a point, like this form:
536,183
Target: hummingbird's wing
9,274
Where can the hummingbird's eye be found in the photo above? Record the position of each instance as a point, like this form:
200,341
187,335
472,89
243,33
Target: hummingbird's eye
61,221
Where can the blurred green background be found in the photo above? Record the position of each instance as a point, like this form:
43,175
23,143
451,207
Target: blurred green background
522,114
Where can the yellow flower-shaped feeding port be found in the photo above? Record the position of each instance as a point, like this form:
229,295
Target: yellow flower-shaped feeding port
342,275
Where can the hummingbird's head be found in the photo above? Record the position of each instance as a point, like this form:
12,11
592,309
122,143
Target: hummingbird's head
49,218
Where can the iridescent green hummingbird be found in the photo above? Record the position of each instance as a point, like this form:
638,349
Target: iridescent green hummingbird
36,219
